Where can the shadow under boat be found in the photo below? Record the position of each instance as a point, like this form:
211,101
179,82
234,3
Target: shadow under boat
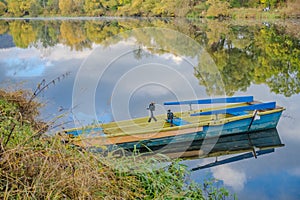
240,147
246,145
228,144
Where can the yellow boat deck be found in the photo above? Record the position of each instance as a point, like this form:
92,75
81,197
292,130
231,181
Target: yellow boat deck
140,129
141,125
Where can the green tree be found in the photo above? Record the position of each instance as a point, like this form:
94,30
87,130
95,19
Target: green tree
48,32
52,7
279,60
35,8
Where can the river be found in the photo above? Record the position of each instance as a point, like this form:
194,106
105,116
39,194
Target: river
106,69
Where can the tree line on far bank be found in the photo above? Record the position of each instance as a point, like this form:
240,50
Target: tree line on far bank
144,8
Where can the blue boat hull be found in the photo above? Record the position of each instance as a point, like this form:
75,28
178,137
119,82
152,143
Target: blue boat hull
266,121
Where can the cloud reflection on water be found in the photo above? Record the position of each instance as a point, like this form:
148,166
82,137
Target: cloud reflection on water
277,173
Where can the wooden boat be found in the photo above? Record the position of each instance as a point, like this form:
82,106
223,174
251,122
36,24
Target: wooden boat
234,115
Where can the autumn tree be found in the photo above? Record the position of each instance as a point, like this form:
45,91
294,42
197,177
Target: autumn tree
218,8
271,3
3,8
78,6
18,8
93,7
65,6
73,35
23,33
3,27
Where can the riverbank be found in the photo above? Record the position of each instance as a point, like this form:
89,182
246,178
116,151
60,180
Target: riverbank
172,9
285,13
35,166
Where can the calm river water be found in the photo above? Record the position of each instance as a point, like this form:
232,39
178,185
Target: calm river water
110,69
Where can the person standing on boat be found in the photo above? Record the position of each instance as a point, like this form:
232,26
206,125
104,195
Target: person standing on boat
151,108
170,116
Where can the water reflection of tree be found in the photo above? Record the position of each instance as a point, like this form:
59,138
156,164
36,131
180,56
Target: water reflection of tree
3,27
229,48
74,35
23,33
48,32
243,54
258,54
279,60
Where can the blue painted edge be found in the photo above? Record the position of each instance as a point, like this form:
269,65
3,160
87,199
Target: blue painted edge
238,113
81,131
261,106
213,100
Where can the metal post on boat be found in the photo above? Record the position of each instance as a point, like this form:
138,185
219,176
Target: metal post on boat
190,107
252,119
254,152
248,134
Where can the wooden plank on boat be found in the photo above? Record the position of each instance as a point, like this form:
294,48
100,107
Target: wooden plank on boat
261,106
96,141
213,100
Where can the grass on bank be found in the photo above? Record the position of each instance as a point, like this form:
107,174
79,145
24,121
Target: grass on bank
34,166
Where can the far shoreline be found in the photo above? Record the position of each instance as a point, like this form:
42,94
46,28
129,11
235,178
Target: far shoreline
45,18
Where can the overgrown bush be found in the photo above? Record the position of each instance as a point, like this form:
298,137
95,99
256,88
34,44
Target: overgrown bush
46,168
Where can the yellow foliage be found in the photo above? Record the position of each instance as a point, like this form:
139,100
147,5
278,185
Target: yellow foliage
65,6
218,8
72,35
3,27
23,33
3,8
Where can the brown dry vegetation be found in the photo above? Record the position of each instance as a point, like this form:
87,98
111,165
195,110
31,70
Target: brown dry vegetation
47,168
291,10
28,110
54,171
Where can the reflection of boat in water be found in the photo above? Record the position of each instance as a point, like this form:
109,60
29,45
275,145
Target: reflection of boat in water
260,143
238,115
246,145
234,159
